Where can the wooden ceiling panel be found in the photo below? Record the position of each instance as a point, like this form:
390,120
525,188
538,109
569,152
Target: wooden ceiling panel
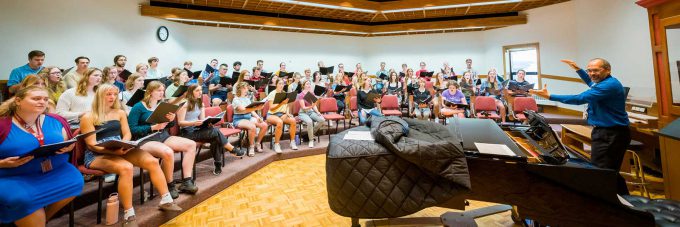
267,12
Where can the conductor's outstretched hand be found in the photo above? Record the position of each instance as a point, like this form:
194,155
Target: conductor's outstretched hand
542,92
571,64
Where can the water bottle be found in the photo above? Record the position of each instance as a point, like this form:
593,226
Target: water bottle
112,209
297,139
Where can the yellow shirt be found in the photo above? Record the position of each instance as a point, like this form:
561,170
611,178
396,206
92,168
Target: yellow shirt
270,98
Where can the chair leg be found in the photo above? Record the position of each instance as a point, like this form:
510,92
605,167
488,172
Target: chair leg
193,173
181,160
71,221
141,185
99,199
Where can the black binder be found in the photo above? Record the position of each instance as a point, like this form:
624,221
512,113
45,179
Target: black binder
207,122
319,90
52,149
180,90
117,144
349,74
125,74
158,115
326,70
266,75
255,104
209,69
426,74
136,97
235,75
309,97
339,88
147,81
279,97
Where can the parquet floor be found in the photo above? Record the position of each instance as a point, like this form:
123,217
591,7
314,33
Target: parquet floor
287,193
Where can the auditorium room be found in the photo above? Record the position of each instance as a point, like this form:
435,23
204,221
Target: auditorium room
339,113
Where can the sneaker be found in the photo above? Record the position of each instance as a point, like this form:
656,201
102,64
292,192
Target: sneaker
277,148
239,152
109,178
218,168
311,144
130,222
188,186
169,207
293,145
251,151
258,148
173,190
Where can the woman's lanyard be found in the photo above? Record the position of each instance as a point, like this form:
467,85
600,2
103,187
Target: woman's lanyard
38,135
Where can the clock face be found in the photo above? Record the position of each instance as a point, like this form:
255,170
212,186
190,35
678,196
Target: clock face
162,33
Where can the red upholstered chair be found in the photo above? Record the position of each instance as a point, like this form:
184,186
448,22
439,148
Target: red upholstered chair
329,108
521,104
353,108
231,129
352,92
390,106
428,85
485,107
206,100
78,160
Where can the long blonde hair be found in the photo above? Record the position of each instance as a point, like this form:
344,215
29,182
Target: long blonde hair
239,86
130,82
153,85
9,107
81,88
99,103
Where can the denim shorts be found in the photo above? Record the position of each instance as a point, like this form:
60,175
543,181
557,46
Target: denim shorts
91,155
239,117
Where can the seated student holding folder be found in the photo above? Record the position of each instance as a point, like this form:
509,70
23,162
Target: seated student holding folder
340,94
178,79
34,188
394,87
245,117
140,127
75,102
450,97
132,84
108,116
521,83
220,85
251,92
467,85
368,101
309,114
422,100
278,115
191,119
494,88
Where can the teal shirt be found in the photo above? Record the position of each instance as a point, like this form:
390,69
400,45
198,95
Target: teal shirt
18,74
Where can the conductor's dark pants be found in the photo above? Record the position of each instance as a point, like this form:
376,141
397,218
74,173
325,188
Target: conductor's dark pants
608,147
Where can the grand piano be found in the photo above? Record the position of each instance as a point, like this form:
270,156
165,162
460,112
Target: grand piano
543,181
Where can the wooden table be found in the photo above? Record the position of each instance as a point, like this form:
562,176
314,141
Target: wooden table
575,137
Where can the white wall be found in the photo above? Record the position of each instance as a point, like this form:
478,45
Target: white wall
579,29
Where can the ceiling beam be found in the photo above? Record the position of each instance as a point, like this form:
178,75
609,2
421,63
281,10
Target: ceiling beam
166,13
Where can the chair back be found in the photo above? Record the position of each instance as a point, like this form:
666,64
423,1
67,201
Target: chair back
174,130
390,102
214,111
230,113
485,103
428,85
265,110
524,103
353,92
295,108
206,100
328,105
78,153
353,103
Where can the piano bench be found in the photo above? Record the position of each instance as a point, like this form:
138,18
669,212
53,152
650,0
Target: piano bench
666,212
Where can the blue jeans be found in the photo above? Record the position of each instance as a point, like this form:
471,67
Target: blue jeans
363,114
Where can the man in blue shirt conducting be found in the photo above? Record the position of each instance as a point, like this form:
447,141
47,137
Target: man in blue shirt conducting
35,62
606,112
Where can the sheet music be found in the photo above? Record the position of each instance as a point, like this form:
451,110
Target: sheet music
495,149
358,135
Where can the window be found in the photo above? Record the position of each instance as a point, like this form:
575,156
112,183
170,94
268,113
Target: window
526,57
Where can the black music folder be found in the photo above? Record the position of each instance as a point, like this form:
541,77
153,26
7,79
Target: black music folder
401,75
125,74
235,75
209,69
410,89
285,74
319,90
207,122
226,80
158,115
326,70
349,74
382,76
136,97
180,91
52,149
117,144
339,88
279,97
255,104
196,74
426,74
457,105
147,81
309,97
266,75
426,101
515,86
